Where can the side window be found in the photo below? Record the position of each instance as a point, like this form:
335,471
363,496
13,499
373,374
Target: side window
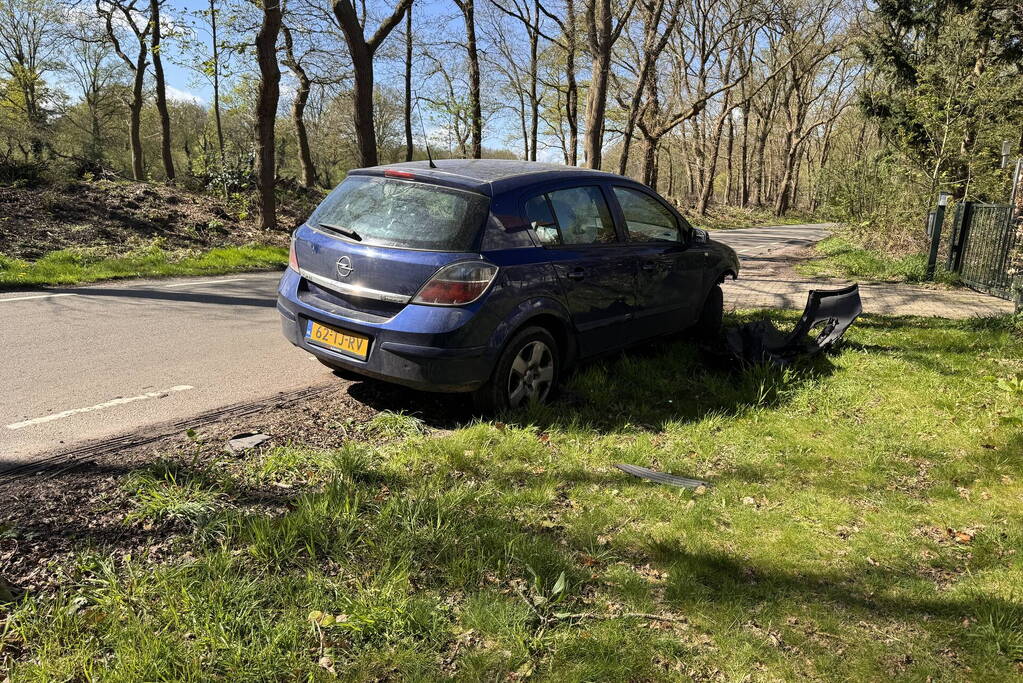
538,213
646,219
583,216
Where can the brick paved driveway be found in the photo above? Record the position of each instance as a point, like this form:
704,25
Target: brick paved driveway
768,281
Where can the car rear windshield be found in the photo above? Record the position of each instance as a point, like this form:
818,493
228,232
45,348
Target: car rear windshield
402,213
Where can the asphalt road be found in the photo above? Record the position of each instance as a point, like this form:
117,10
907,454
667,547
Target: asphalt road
87,363
752,243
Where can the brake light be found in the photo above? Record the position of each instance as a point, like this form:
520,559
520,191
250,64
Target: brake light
292,256
391,173
457,283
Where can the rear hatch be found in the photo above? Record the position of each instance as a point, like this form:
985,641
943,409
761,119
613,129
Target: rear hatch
376,240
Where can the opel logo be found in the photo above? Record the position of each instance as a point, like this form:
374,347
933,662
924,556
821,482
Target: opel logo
344,266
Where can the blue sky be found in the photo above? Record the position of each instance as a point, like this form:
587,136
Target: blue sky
434,19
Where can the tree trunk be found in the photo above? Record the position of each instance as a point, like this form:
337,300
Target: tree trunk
729,163
599,19
161,92
216,82
760,169
744,161
711,162
361,51
571,86
650,160
138,171
365,132
783,200
266,112
298,106
534,99
409,144
468,8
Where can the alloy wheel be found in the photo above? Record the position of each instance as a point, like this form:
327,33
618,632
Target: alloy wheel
531,375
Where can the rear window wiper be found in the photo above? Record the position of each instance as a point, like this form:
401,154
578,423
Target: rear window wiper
347,232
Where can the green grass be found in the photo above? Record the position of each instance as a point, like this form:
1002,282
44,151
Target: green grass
863,523
840,256
76,266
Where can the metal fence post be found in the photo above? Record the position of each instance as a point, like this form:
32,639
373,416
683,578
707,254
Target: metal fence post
939,218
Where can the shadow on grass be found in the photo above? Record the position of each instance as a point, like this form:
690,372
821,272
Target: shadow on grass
646,387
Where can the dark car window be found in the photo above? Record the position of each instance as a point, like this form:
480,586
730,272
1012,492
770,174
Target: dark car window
582,216
402,213
538,213
646,219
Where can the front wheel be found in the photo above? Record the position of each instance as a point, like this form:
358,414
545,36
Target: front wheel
708,327
526,371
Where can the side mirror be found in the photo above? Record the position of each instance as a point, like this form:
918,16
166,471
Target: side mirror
700,237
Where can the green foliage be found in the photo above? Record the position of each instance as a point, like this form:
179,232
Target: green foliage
74,266
16,173
948,90
391,425
843,256
164,491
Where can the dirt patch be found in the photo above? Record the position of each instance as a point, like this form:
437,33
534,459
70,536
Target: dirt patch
76,500
117,216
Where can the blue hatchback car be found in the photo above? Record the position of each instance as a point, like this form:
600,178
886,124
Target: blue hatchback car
493,276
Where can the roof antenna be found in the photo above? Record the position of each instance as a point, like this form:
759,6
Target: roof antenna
426,140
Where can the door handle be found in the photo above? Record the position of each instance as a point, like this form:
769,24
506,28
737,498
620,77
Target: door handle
577,274
649,265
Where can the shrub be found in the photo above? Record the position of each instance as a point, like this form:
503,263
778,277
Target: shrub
22,173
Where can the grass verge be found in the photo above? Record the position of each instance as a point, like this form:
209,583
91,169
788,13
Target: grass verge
77,266
841,256
862,524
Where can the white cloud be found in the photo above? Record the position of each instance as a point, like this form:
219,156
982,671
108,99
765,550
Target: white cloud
182,95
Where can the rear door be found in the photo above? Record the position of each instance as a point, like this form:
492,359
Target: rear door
670,274
575,226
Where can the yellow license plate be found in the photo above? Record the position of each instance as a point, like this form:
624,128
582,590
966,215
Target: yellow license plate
347,342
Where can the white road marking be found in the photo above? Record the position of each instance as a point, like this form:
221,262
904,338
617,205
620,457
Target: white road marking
207,282
98,406
34,296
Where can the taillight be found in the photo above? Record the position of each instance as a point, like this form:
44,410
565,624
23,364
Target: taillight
457,283
292,257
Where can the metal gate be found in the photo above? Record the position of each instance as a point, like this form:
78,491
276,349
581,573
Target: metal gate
981,243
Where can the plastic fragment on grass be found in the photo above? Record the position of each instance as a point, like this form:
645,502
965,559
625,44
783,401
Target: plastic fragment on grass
662,477
245,441
828,314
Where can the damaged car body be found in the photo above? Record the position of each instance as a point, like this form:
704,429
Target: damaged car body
493,277
828,314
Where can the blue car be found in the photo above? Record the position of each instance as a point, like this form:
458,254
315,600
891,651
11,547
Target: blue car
493,276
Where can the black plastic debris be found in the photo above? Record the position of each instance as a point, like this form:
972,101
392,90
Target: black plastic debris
661,477
827,316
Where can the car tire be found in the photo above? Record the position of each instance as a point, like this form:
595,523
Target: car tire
708,326
528,369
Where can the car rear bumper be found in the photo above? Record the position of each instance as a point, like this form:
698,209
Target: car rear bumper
394,354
